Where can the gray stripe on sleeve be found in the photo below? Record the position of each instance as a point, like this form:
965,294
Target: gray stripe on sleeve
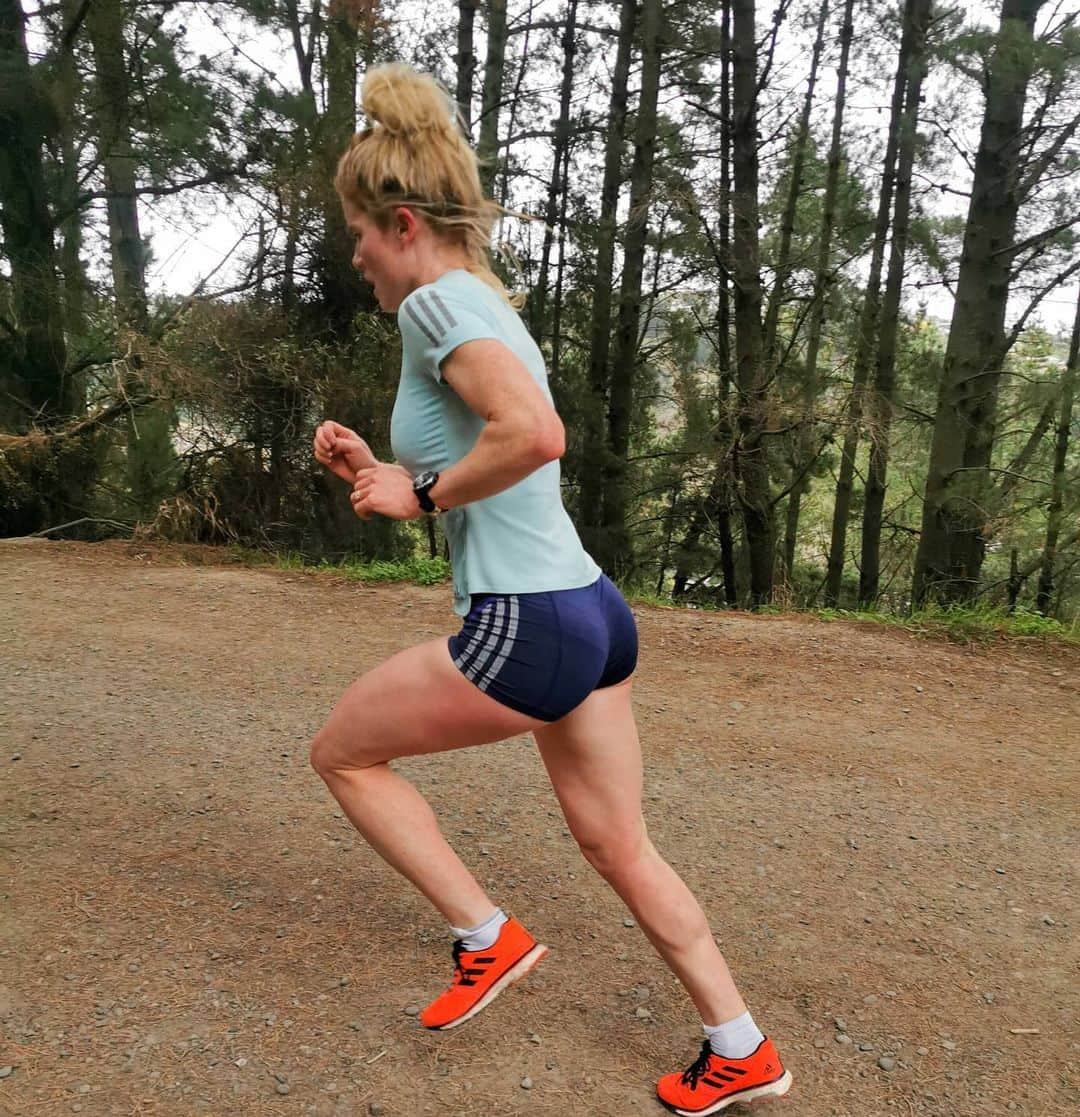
444,308
433,319
411,311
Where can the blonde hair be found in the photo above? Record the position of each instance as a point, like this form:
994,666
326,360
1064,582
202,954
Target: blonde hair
414,153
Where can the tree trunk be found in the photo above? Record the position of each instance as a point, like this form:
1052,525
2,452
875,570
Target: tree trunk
865,340
751,379
560,160
151,456
619,553
726,495
718,501
819,299
76,285
343,292
916,18
594,405
105,22
494,65
959,498
466,62
787,220
1045,592
32,359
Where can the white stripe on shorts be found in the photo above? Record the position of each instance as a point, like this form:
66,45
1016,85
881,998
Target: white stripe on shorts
511,632
479,634
492,636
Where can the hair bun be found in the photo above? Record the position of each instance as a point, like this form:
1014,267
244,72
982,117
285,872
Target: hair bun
404,102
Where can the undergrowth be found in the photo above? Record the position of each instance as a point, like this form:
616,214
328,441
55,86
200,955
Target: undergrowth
961,624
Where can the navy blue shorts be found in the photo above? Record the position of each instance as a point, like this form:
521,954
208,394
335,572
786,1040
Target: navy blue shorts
542,654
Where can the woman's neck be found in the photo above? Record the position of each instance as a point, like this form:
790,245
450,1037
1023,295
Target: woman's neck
441,258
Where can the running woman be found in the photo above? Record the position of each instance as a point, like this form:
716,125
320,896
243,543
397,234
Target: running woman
547,644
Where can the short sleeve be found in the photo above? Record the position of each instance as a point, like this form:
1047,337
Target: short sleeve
434,323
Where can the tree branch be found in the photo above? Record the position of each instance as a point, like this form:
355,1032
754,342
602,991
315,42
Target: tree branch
209,179
1048,156
1018,326
1012,474
1038,238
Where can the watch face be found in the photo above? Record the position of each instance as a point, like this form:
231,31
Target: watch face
425,480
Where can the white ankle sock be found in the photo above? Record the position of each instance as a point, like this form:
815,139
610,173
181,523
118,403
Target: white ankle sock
736,1039
483,934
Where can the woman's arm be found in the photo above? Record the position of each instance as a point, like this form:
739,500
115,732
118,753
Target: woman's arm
522,432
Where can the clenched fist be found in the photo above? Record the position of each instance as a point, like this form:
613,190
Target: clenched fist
385,490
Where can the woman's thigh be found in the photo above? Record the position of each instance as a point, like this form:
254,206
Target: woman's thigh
593,758
415,702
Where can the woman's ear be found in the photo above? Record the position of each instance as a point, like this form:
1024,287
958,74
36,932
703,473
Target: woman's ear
406,224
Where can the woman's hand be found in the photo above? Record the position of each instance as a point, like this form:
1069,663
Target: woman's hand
342,451
385,490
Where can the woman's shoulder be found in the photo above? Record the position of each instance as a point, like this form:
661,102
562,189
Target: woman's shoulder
467,290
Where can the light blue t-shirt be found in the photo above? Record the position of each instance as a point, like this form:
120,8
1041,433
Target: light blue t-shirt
520,540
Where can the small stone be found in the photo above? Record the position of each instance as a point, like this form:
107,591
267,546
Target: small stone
628,922
948,1045
886,1063
526,1083
282,1088
918,689
6,1072
819,1043
922,1051
989,998
374,1109
866,1047
843,1038
532,1037
241,1062
412,1010
841,1026
1049,921
870,999
642,1013
16,756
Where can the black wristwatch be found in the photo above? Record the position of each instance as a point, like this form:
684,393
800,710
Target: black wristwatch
422,484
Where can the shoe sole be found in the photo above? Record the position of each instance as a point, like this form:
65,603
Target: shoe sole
515,973
755,1094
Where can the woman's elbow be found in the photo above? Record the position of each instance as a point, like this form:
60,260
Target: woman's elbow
549,441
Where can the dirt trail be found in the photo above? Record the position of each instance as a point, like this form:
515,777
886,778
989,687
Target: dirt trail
882,830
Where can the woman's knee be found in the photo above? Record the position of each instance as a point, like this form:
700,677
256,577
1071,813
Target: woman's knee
329,754
613,853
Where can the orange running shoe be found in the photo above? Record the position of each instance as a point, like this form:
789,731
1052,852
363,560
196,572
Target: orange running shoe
713,1083
481,975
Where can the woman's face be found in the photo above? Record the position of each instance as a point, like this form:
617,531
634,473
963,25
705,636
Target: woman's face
380,257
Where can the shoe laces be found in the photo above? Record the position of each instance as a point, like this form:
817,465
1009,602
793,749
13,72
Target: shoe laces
697,1068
